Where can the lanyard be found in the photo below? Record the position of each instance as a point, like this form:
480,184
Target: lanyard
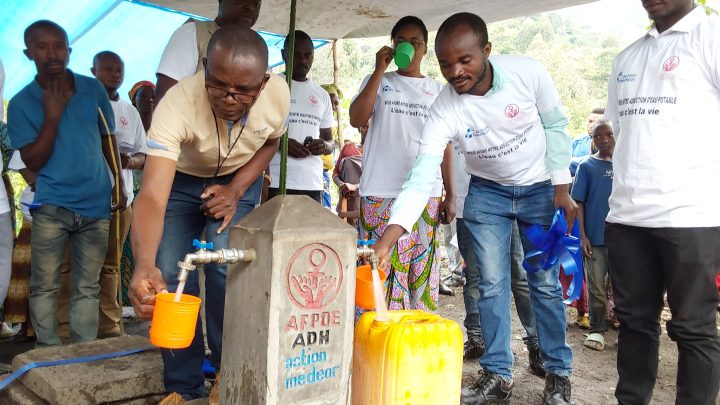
243,122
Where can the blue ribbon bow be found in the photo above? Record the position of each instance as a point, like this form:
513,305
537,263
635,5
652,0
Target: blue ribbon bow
557,247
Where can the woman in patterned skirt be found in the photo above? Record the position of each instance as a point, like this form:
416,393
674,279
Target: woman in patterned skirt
398,103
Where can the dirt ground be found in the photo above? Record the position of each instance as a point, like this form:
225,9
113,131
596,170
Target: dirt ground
594,373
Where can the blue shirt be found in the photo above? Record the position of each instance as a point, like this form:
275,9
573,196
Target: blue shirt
75,176
581,149
593,184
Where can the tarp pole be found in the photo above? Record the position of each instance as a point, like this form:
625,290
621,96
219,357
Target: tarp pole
336,74
289,56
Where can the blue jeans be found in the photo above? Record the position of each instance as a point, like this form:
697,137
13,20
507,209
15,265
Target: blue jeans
490,210
518,282
184,221
52,227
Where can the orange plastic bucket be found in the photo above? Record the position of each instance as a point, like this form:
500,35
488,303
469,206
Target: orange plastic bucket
173,323
364,286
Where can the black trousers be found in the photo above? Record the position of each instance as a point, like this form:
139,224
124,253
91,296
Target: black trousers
644,264
315,195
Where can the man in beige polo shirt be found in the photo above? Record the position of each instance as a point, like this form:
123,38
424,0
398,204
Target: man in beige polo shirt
211,137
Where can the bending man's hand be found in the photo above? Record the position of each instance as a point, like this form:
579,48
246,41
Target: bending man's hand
221,202
144,285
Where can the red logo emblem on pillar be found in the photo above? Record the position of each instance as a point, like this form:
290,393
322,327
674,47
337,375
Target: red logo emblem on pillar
671,63
314,276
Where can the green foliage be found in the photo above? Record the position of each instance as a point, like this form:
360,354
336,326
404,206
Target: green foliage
708,10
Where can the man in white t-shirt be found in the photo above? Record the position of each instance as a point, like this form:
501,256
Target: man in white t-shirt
310,127
663,229
507,117
187,46
109,69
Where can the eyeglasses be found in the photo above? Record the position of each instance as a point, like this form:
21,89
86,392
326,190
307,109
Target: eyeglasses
222,93
416,43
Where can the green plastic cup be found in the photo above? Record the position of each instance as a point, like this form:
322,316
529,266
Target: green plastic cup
404,53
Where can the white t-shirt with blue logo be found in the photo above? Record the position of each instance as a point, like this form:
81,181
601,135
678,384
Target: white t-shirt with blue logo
130,137
310,110
664,99
513,135
401,109
501,133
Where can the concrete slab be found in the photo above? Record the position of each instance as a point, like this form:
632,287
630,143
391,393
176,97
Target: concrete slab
17,394
119,380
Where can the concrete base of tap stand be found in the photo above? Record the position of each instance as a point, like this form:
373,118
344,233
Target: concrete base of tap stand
16,393
135,379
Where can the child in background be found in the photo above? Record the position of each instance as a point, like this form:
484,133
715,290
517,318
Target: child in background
591,190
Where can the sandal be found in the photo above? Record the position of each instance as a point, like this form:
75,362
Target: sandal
583,322
595,341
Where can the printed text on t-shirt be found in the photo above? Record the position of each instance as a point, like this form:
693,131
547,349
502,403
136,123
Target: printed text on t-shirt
645,110
307,119
505,148
411,109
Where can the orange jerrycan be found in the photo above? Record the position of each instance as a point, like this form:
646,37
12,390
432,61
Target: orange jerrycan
414,359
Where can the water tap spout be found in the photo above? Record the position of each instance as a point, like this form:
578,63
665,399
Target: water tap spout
366,251
205,254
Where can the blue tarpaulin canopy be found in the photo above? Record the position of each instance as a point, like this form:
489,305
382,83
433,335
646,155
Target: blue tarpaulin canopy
136,31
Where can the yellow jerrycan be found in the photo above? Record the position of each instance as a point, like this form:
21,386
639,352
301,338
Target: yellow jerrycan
415,358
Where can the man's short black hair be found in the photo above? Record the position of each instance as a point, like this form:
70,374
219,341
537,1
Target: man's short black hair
299,36
242,41
598,110
409,20
470,20
42,24
105,54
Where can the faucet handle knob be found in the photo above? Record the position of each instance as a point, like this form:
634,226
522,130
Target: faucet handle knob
203,245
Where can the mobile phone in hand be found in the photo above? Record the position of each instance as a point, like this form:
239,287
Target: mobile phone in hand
307,141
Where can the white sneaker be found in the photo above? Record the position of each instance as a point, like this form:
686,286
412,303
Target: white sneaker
6,331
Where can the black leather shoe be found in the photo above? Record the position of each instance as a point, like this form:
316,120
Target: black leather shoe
557,390
488,389
537,367
473,350
445,290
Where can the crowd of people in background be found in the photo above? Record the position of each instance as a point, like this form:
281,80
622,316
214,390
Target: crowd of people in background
488,152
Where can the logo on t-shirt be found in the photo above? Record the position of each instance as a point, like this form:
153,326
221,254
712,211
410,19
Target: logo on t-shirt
261,131
626,77
387,88
313,100
124,121
474,133
671,63
428,93
512,110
